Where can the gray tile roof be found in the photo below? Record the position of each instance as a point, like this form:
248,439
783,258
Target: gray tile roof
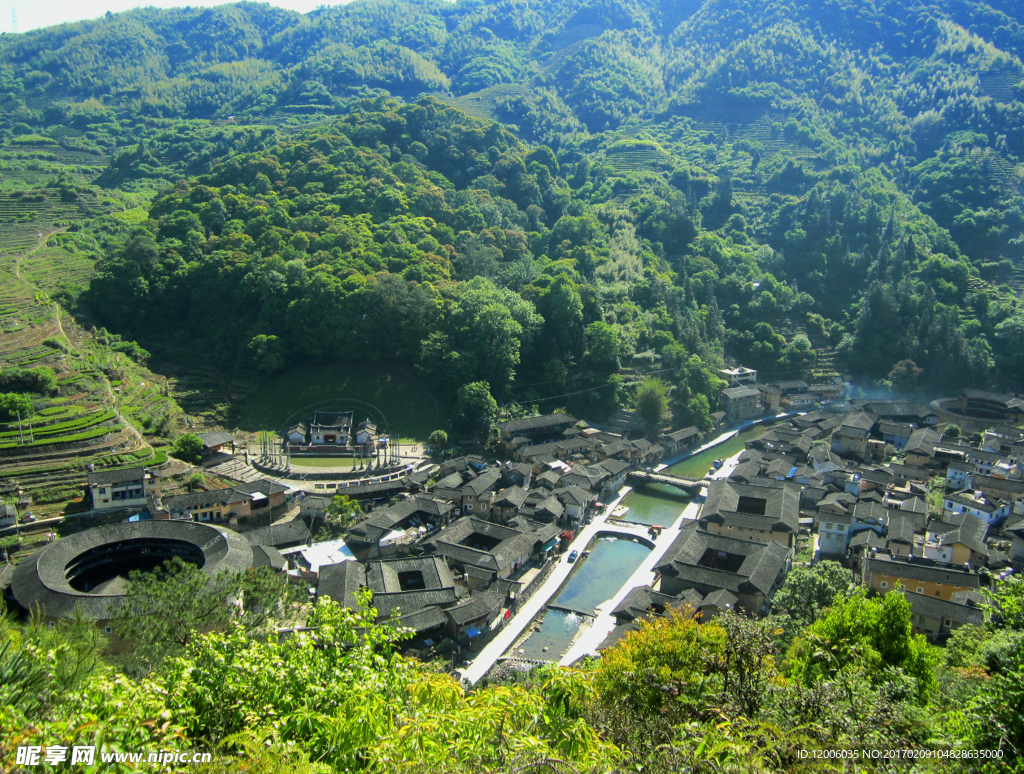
212,498
122,476
541,422
513,497
922,571
757,506
263,486
933,607
268,556
760,571
481,604
966,530
901,528
383,576
721,599
485,481
286,535
216,438
642,600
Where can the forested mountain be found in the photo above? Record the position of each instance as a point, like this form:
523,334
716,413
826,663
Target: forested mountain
798,186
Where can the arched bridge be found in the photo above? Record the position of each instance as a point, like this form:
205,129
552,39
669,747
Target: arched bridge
687,484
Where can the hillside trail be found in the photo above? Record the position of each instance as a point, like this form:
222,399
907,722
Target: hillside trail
44,237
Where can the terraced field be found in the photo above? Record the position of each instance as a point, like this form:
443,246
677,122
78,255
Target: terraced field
483,104
45,458
631,156
998,83
53,269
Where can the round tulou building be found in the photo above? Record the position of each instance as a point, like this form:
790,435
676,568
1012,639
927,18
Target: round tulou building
87,571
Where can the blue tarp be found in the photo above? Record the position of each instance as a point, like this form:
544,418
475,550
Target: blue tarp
472,631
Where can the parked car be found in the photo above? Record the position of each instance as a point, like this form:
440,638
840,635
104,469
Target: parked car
717,464
572,555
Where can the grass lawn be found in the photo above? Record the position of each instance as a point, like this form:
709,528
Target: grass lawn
395,389
324,462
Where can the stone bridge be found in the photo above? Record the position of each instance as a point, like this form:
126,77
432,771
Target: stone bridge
686,484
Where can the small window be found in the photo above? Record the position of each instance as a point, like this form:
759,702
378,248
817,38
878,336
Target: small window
51,625
885,584
920,590
936,592
108,630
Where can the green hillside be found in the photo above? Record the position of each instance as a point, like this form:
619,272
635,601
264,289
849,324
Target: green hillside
838,178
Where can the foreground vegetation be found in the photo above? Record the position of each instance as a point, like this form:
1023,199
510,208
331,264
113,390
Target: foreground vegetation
837,671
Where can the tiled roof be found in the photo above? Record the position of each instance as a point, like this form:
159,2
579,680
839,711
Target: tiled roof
921,571
774,508
513,497
290,533
479,605
216,438
483,482
536,423
384,576
263,485
208,499
900,528
761,567
121,476
933,607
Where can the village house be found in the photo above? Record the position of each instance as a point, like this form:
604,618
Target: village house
959,541
680,441
534,430
215,443
896,433
478,492
851,437
366,435
507,504
920,448
937,618
485,551
388,531
290,534
988,509
1014,530
413,591
740,403
124,488
828,391
881,572
771,397
215,505
763,511
706,562
994,406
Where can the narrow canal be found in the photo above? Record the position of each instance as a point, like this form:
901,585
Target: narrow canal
611,562
661,505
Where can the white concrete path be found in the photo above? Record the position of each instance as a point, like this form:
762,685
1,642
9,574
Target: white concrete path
494,650
591,639
604,623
